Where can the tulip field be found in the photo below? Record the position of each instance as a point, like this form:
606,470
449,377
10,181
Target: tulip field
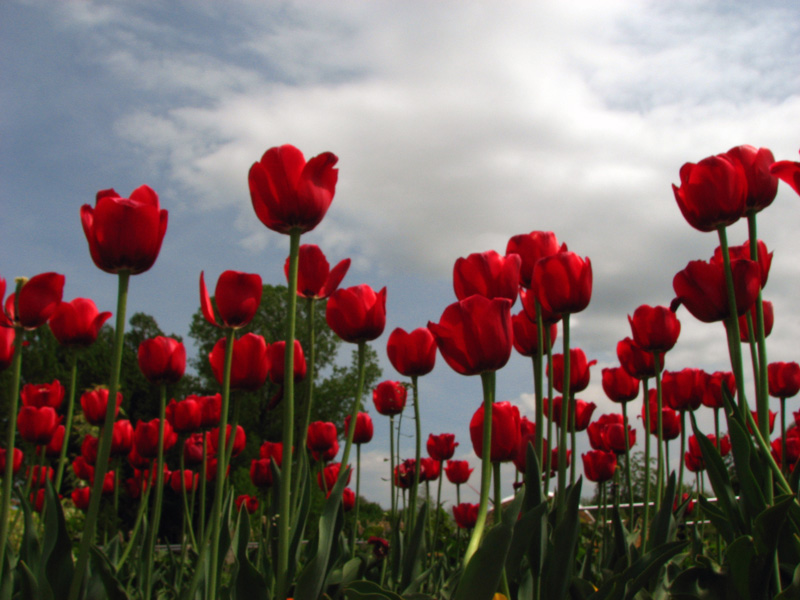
655,532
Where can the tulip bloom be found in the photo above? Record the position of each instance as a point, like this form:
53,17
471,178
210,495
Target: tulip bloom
618,385
76,324
16,460
783,379
772,415
700,287
412,354
441,447
380,547
712,398
531,247
429,469
636,361
193,450
290,194
364,428
37,425
762,186
583,413
713,192
505,432
276,357
763,257
578,372
562,282
670,420
38,300
53,449
250,503
162,359
527,436
321,436
526,334
145,438
273,451
487,274
237,296
788,172
80,497
357,314
315,278
465,515
239,440
43,394
124,234
684,390
327,479
6,346
599,466
475,335
348,499
185,416
389,398
249,366
261,472
178,480
655,328
211,410
457,471
94,404
121,438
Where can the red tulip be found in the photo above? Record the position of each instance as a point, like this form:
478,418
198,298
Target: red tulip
261,472
6,345
17,460
273,451
250,503
597,427
121,438
389,398
562,282
80,497
655,328
185,416
532,308
145,438
43,394
788,172
618,385
531,247
772,415
249,366
724,446
465,515
578,371
82,469
94,403
321,436
670,420
357,314
412,354
37,500
475,335
315,278
505,432
276,358
363,430
178,480
76,324
193,450
526,335
684,390
441,447
290,194
700,287
162,359
599,466
487,274
348,499
38,300
457,471
404,474
769,321
239,440
211,410
37,425
124,234
783,379
713,192
583,412
430,469
614,438
237,296
527,436
380,547
136,460
327,479
53,449
712,398
636,361
763,257
693,463
762,186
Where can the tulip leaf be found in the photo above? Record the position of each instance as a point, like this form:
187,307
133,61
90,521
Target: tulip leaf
718,518
559,563
748,469
662,528
482,574
720,480
741,559
369,590
533,479
247,582
769,524
6,577
527,532
30,550
792,591
112,588
412,559
57,549
312,577
300,518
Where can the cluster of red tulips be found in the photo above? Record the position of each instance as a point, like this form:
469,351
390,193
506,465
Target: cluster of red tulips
475,335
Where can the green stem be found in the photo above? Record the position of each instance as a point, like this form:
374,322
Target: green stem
222,467
783,435
358,491
309,387
143,501
391,472
152,532
497,515
362,362
536,359
285,505
660,430
412,517
548,455
488,381
562,442
573,406
438,509
682,452
628,463
73,383
203,473
647,421
104,446
762,382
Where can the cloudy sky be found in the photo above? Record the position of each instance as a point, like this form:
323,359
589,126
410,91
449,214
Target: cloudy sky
457,125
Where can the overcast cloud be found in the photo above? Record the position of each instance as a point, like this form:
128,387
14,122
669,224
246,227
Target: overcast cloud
457,124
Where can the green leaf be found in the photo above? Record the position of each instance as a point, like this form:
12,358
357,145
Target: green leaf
30,550
662,528
27,580
102,566
482,574
248,583
717,518
57,549
749,469
631,581
559,565
792,591
770,524
412,558
369,590
529,538
534,495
